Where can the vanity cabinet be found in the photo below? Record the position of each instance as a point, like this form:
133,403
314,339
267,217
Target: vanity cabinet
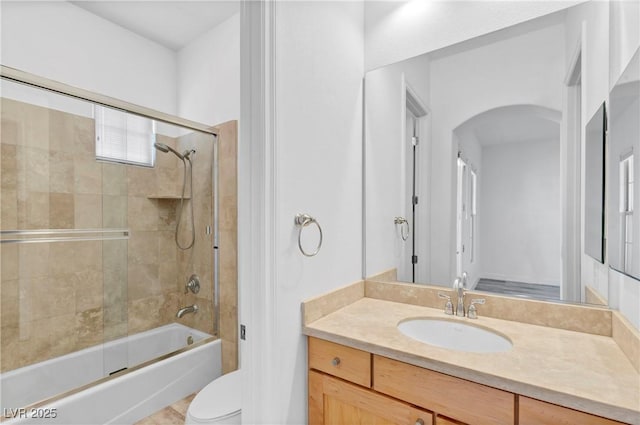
350,386
536,412
334,401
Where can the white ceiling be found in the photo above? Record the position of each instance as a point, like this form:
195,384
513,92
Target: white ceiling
516,123
172,24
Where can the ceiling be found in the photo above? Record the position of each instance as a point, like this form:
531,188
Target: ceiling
172,24
515,123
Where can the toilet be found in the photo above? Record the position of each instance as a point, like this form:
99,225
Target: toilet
218,402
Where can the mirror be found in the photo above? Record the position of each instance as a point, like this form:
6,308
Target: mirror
624,137
595,134
473,160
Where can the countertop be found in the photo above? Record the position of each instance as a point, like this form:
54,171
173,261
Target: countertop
577,370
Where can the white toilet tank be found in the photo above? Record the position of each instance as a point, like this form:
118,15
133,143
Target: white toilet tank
218,402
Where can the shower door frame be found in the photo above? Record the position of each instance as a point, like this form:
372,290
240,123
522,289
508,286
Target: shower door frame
23,77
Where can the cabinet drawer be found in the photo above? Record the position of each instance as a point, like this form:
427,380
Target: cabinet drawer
332,401
535,412
443,394
344,362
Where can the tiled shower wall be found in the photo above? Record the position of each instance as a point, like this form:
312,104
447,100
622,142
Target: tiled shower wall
59,297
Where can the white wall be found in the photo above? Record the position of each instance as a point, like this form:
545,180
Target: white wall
209,75
397,30
386,163
318,170
517,70
62,42
520,229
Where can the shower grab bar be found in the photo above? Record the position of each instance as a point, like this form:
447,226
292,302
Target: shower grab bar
51,235
302,221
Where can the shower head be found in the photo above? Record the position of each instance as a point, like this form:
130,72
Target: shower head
164,148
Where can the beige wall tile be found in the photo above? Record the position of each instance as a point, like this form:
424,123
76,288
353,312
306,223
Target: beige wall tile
141,181
61,172
37,211
61,211
84,138
143,281
89,327
59,299
114,211
87,175
87,255
8,167
114,179
61,258
36,162
10,263
143,247
89,289
9,210
9,304
88,211
142,213
61,131
33,259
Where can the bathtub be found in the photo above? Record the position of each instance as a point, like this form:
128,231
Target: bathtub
123,399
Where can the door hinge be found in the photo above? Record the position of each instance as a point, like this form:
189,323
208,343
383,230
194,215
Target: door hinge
414,259
415,140
415,200
243,332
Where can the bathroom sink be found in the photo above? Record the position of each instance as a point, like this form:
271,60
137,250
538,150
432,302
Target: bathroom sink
455,335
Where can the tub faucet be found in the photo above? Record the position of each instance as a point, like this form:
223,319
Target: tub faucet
458,286
185,310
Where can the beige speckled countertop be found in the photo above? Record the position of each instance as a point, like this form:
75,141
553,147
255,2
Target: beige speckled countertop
572,369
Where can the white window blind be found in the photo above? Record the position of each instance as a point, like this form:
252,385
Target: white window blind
124,137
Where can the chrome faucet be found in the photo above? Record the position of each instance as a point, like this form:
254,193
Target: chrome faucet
458,286
185,310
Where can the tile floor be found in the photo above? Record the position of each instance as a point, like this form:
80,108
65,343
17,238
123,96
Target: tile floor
171,415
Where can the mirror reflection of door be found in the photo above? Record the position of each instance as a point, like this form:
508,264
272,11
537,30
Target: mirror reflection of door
415,171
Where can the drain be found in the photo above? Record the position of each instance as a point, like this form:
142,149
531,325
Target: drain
189,340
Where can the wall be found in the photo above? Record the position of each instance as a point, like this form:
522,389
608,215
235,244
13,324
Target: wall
521,213
208,77
395,31
317,169
62,42
511,71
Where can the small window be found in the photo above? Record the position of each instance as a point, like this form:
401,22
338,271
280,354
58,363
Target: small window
124,137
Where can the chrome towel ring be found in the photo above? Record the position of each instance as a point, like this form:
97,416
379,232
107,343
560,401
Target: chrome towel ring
404,224
302,221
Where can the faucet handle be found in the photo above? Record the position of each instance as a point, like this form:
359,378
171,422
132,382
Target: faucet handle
472,312
448,308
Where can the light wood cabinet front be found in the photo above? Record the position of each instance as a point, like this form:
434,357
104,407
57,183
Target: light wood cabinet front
536,412
452,397
441,420
344,362
335,402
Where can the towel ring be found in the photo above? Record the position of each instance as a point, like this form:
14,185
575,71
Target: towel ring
302,221
404,225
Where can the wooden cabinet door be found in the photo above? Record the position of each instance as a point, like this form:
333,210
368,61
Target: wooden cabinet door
536,412
336,402
441,420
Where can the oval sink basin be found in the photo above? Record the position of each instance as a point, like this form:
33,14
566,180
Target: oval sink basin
455,335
